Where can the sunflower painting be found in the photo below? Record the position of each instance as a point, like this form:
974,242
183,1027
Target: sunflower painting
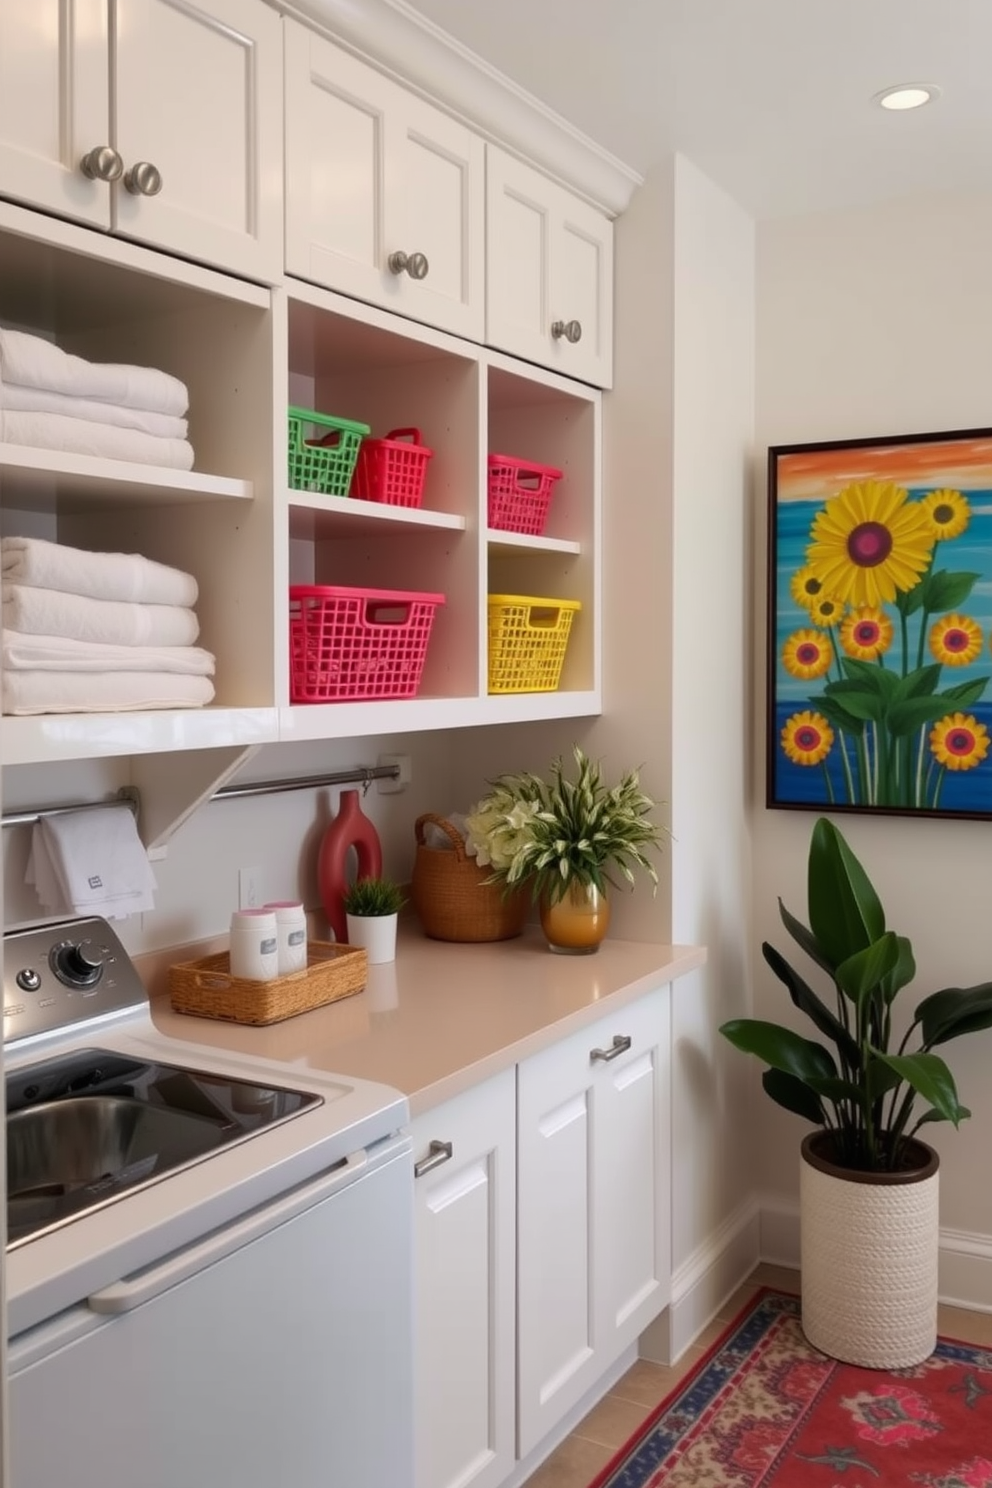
880,633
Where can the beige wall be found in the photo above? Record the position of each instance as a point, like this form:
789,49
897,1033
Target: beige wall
879,321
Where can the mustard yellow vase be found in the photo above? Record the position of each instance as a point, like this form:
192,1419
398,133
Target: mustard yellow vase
578,922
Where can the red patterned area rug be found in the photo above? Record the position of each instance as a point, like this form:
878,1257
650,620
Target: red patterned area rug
766,1408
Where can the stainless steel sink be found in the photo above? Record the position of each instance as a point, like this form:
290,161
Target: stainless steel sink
85,1128
79,1150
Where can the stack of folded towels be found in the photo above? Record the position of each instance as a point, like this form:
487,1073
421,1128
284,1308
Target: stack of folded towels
51,400
97,632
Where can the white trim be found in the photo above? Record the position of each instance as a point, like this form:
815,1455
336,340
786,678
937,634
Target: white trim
391,35
703,1282
964,1264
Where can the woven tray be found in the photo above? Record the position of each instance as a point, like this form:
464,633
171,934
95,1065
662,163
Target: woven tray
206,988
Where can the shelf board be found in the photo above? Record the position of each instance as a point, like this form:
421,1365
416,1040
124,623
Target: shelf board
515,542
49,480
414,715
312,515
67,736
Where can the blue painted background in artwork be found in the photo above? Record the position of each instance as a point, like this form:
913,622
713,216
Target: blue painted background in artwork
964,791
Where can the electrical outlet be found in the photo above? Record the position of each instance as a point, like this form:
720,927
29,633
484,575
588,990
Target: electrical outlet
392,787
249,888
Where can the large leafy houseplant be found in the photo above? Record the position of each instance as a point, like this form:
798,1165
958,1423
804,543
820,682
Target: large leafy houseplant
557,833
851,1081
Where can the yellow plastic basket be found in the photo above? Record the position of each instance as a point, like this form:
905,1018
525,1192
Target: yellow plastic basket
527,641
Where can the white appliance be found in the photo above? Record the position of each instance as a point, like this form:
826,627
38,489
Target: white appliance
209,1269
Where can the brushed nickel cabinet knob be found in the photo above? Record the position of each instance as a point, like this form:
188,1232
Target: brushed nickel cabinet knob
571,330
414,264
102,163
143,179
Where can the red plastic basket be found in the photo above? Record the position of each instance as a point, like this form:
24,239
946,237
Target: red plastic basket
519,494
392,469
357,643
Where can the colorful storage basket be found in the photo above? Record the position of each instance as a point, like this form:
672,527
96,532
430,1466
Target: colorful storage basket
520,494
322,451
353,644
527,641
392,469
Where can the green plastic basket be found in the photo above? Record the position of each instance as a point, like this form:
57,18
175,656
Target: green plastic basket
326,468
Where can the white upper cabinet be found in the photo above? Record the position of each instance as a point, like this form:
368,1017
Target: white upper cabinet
55,105
385,195
157,119
549,272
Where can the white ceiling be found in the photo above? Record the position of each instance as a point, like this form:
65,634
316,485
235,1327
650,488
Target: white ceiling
771,98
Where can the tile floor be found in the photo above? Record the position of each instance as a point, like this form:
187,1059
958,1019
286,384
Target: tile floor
614,1420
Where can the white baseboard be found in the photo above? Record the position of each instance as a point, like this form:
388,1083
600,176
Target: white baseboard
964,1264
702,1284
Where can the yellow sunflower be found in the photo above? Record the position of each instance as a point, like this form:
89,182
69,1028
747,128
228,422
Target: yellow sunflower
826,611
805,587
870,542
807,738
959,742
955,640
866,633
948,513
807,654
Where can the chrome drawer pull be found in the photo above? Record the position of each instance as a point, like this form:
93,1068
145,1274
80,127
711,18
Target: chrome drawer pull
437,1153
620,1043
570,329
414,264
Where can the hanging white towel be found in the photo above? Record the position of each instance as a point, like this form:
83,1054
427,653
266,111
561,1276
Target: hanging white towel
122,576
110,622
91,863
22,652
31,362
102,692
75,436
40,400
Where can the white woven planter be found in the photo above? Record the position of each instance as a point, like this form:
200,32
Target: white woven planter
869,1260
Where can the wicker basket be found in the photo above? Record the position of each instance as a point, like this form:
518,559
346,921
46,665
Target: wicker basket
207,989
451,896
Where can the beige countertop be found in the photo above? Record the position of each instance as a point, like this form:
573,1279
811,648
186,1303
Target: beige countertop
444,1016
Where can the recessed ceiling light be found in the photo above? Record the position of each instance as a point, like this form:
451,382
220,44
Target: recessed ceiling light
907,95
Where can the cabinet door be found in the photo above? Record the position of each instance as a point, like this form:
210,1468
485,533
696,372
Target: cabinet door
54,104
593,1217
464,1279
198,96
549,272
372,171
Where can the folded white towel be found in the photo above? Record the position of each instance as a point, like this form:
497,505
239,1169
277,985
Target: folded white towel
50,612
32,362
126,576
76,436
41,400
102,692
43,653
91,863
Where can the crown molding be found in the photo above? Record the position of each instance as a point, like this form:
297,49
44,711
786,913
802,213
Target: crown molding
394,37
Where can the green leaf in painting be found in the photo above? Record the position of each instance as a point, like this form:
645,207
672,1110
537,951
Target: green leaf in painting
857,699
965,693
911,714
919,683
947,591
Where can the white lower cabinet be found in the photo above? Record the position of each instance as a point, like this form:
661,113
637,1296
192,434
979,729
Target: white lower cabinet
464,1312
593,1206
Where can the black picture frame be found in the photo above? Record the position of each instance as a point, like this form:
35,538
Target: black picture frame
879,640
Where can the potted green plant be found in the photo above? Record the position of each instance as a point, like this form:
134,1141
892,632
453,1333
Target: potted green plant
372,906
562,837
868,1183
